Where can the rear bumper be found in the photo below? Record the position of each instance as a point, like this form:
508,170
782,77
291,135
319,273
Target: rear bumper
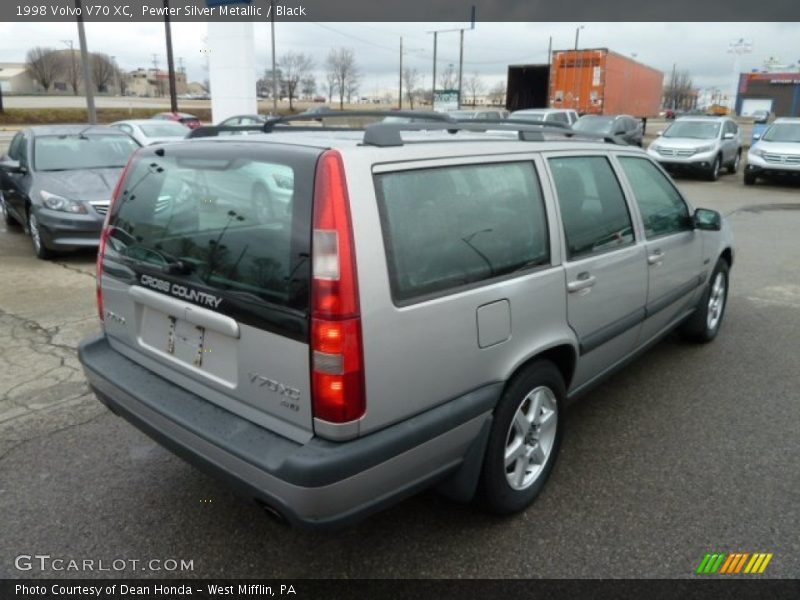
316,484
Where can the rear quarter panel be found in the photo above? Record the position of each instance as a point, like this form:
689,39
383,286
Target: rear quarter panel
421,355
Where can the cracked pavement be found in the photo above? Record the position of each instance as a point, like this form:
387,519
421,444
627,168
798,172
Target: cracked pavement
691,449
44,312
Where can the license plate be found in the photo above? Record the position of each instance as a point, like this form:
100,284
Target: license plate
185,341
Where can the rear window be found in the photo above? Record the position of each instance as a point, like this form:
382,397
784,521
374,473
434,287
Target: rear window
74,152
163,130
448,227
232,217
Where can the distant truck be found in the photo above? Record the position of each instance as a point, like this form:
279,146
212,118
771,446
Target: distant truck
594,81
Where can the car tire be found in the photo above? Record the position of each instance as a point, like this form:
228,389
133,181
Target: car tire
6,217
713,172
734,166
706,320
750,178
42,251
524,440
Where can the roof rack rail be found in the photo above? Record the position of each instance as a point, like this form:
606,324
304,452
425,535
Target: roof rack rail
385,134
283,123
389,134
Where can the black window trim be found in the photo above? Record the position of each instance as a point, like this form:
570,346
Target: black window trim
473,285
566,258
665,174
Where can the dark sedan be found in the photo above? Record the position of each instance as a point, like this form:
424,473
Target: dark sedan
57,180
621,126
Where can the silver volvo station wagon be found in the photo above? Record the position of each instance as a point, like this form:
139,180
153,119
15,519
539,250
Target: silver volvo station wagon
414,310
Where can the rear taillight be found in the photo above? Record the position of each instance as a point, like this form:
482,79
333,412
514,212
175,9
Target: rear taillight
101,250
336,347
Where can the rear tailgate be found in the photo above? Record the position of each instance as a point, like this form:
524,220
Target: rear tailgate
206,275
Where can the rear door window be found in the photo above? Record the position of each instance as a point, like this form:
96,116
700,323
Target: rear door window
449,227
593,209
235,218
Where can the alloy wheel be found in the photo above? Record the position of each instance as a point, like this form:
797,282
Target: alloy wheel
716,302
530,438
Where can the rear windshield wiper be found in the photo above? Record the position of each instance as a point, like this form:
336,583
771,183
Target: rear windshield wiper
172,265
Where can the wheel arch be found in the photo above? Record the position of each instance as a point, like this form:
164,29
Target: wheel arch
563,355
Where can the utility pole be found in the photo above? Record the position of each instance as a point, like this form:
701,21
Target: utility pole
550,51
433,85
461,65
87,72
672,90
460,52
400,95
575,83
173,94
74,72
274,68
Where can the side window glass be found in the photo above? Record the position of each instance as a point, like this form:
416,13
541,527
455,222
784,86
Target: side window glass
561,117
663,210
22,151
13,148
448,227
592,205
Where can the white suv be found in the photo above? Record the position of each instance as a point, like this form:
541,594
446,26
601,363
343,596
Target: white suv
699,144
776,153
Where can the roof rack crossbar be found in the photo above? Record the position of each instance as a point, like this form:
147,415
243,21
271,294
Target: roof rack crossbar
390,134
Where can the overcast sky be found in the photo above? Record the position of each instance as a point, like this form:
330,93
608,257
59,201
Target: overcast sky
701,48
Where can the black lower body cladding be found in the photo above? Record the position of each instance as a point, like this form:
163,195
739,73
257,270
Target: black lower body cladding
319,483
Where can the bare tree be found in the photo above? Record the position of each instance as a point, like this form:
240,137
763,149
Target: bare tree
264,85
103,71
44,65
679,93
294,67
497,94
330,80
341,63
72,68
410,84
448,78
352,89
474,87
308,86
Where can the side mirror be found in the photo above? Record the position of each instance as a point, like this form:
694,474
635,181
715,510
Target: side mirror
659,133
12,166
756,136
707,220
728,136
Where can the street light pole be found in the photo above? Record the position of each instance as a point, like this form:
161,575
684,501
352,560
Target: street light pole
400,95
87,72
433,85
274,68
737,48
575,83
173,94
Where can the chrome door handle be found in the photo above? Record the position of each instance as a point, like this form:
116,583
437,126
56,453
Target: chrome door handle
656,258
583,282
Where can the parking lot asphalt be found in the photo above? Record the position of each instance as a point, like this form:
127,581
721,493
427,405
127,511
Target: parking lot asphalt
691,449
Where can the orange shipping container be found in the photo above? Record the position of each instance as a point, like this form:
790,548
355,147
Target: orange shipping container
600,81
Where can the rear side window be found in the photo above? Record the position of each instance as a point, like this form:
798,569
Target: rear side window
231,217
453,226
593,209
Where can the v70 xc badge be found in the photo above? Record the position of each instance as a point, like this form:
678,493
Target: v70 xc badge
274,386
